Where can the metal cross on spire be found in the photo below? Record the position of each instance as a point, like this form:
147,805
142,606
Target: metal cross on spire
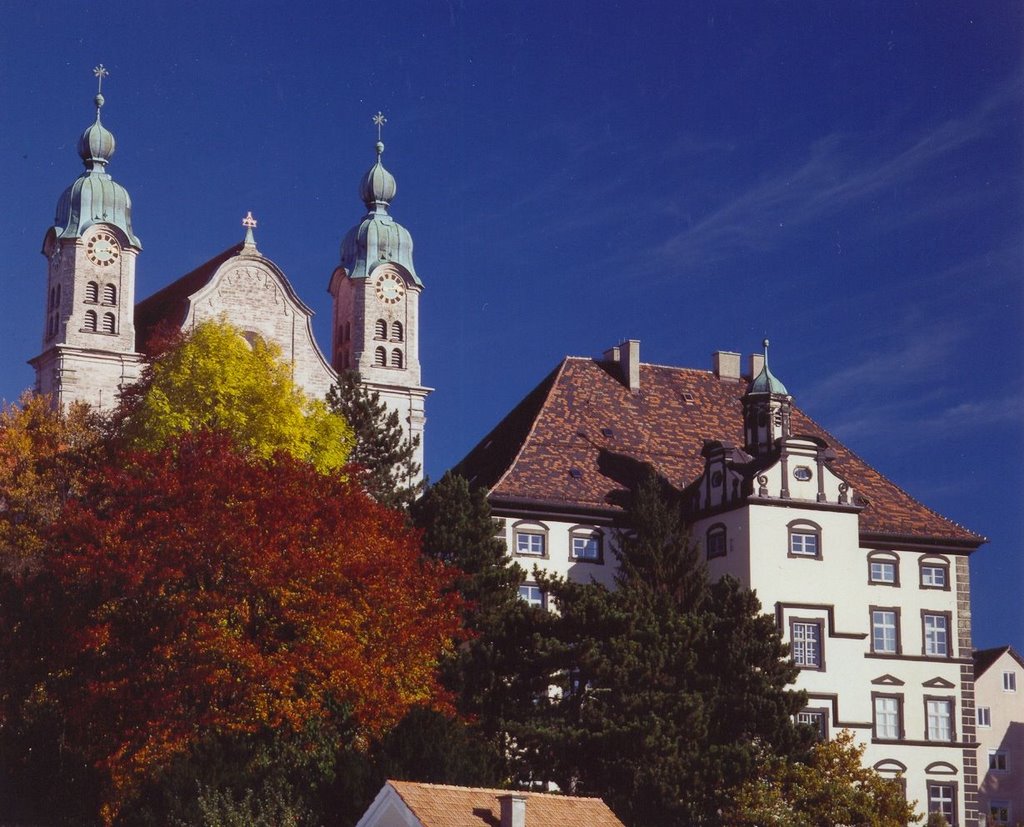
379,120
100,72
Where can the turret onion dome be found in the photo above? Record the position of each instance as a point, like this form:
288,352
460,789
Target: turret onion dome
378,238
94,197
766,381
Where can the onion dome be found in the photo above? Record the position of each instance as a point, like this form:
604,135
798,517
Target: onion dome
94,197
766,381
378,186
378,238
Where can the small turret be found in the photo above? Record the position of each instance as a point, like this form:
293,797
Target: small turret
766,411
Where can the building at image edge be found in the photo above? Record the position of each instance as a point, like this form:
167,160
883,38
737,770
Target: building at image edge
870,587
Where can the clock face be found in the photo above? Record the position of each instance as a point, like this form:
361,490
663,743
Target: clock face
389,288
102,249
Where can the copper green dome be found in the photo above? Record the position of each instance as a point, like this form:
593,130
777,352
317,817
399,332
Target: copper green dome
378,238
94,197
766,381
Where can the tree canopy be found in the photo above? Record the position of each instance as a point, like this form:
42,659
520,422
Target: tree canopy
216,379
194,590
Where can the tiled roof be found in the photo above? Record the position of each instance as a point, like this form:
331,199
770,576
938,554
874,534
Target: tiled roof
581,438
170,304
439,805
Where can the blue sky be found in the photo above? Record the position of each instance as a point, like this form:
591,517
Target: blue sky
845,178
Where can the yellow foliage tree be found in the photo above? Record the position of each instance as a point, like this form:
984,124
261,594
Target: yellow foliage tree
215,379
831,788
43,453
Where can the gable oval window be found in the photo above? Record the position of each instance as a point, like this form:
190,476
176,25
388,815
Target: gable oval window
802,473
804,539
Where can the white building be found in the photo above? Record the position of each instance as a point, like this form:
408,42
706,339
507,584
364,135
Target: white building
95,335
869,586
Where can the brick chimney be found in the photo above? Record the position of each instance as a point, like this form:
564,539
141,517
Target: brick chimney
726,364
627,356
513,810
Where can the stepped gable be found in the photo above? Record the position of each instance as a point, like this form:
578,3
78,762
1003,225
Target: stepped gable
576,439
441,805
171,304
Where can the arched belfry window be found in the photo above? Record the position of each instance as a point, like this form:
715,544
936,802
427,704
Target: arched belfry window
396,332
90,320
109,294
108,323
380,329
380,358
92,292
396,358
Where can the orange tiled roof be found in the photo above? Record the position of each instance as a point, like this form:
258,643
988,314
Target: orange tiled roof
578,440
439,805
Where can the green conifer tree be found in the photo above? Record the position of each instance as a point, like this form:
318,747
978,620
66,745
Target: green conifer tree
381,448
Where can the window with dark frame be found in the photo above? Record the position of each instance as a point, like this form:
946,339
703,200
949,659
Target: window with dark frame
998,760
999,812
934,574
883,570
939,719
935,634
806,643
942,800
885,631
888,711
816,718
585,545
715,541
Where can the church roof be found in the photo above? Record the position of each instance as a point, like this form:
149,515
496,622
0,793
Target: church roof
582,437
170,305
441,805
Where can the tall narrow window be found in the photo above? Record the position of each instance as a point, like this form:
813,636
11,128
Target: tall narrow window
109,323
805,640
885,638
887,717
380,358
1009,682
983,716
92,292
90,321
715,542
380,329
109,294
396,358
939,714
936,634
396,332
941,799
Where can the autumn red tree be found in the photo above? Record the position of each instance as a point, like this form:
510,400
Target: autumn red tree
194,590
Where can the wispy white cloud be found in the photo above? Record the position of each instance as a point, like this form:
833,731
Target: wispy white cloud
835,176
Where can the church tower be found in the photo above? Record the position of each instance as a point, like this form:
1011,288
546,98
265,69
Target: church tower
376,304
88,345
766,411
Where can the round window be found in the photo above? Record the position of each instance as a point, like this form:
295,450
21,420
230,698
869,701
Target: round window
802,473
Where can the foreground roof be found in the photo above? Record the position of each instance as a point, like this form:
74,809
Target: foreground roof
440,805
581,438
